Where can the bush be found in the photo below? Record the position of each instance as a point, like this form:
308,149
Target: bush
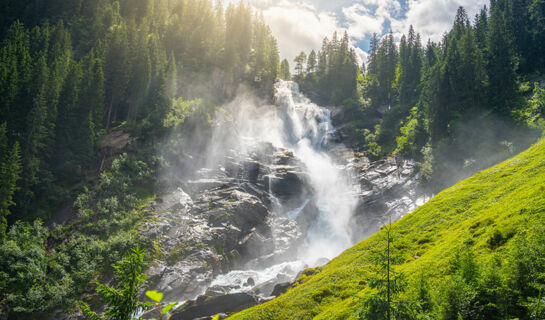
31,280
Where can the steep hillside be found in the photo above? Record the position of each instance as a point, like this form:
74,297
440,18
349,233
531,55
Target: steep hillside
475,251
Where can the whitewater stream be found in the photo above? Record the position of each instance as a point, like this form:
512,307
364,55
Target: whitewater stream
304,128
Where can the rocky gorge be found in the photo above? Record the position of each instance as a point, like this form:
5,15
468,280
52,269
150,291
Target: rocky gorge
240,229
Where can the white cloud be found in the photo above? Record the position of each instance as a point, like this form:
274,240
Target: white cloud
299,27
362,22
362,55
369,17
432,18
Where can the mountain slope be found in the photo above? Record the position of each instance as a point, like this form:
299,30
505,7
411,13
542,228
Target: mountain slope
496,215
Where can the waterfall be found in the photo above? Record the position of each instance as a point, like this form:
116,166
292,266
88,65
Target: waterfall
307,129
296,124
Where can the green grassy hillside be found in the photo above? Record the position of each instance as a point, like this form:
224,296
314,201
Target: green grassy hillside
474,251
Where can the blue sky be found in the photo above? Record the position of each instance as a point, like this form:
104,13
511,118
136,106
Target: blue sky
302,24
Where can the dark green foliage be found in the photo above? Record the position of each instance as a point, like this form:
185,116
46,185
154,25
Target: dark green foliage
10,170
71,71
331,75
42,270
122,301
500,66
31,279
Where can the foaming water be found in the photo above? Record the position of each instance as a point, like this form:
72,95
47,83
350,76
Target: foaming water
296,124
238,280
307,130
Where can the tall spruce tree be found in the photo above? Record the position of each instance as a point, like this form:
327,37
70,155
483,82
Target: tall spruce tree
10,170
500,64
285,70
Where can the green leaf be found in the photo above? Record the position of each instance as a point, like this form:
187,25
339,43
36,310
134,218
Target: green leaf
169,307
154,295
216,317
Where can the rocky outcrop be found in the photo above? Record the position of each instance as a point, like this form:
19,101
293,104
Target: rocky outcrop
226,218
223,219
387,189
116,143
281,288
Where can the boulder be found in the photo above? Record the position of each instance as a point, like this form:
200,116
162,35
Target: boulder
265,289
281,288
208,306
255,245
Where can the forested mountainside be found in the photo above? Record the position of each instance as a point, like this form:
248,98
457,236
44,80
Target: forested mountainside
71,72
457,106
107,108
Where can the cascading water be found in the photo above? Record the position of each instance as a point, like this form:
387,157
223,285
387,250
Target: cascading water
307,130
302,127
270,193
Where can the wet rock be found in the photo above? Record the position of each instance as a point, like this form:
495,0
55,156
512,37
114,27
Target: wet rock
286,183
281,277
226,218
250,282
208,306
251,171
216,291
265,289
281,288
116,143
387,188
255,245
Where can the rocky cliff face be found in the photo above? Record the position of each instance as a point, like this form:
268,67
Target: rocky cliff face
226,219
277,194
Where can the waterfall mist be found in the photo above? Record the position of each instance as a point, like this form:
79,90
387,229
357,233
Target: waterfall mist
296,124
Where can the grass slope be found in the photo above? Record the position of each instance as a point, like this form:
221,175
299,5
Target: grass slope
485,212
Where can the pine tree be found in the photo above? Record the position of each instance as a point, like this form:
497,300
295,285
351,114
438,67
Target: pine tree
312,62
10,170
481,27
537,33
374,46
285,70
322,57
300,61
116,58
387,283
500,64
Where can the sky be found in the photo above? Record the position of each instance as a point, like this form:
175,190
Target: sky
301,25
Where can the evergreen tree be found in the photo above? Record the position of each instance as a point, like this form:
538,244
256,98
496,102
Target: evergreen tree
116,71
387,283
285,70
300,61
122,302
537,33
312,62
10,169
500,64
